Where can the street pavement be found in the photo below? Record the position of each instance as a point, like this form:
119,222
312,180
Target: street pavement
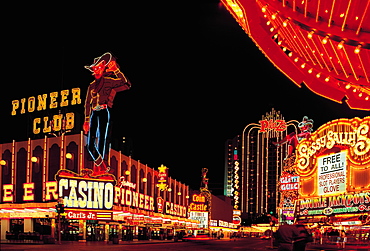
248,244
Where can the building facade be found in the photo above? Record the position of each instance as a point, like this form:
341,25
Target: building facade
261,163
333,165
232,155
36,175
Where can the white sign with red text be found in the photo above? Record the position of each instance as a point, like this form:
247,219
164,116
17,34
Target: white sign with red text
332,173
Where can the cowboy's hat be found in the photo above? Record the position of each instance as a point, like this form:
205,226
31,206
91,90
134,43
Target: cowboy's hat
107,57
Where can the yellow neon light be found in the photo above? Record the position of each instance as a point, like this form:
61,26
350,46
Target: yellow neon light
342,135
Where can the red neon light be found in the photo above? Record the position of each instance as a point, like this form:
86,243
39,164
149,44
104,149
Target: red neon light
277,125
323,47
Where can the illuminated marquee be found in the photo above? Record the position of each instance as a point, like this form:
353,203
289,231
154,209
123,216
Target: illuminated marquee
99,193
53,100
198,203
236,184
349,133
127,197
335,158
29,191
345,203
89,194
175,209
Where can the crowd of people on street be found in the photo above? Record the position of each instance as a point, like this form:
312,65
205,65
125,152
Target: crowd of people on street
295,237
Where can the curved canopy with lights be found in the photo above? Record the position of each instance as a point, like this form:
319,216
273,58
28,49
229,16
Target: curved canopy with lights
323,44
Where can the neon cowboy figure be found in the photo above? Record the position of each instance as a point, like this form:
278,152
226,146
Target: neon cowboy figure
100,95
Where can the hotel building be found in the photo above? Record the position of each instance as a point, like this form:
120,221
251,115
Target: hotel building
36,175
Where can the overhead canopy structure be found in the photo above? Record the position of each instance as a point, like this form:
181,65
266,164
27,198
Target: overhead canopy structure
322,44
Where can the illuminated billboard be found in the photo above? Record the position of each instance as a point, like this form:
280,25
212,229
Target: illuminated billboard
331,173
334,168
45,123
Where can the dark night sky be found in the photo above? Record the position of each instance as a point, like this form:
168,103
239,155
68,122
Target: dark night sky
197,78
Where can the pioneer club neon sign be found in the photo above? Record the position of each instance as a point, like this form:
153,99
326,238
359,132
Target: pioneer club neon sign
44,102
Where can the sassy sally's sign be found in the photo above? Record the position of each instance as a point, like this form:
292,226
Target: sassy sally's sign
352,134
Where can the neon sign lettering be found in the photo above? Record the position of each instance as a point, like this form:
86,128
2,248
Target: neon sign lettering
175,209
332,173
59,122
77,215
160,204
336,133
289,182
198,203
125,183
47,124
28,192
289,186
130,198
236,184
276,125
86,194
198,198
344,203
42,101
197,207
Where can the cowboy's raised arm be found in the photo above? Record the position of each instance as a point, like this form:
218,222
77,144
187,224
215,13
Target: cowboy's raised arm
121,82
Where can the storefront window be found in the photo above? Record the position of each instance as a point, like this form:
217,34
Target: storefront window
42,226
143,233
113,231
70,230
16,226
127,233
95,231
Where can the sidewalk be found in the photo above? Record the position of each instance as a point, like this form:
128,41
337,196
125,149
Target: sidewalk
350,246
88,243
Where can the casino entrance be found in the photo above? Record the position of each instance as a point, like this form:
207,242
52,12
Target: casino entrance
94,231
